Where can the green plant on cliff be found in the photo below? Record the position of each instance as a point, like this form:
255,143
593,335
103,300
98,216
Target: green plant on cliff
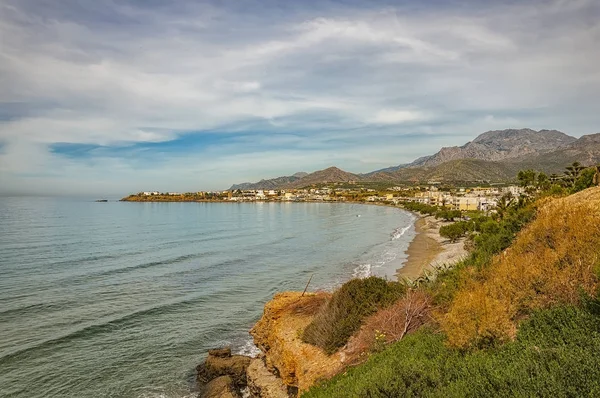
554,355
343,314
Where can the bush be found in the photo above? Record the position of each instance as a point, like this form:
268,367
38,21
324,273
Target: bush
421,208
555,355
392,323
349,306
454,231
448,215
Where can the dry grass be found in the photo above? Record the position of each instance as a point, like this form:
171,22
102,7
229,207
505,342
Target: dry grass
552,261
310,303
392,323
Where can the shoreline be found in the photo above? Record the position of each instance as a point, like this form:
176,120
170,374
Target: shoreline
429,249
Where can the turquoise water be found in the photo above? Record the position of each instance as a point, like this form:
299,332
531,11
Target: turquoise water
123,299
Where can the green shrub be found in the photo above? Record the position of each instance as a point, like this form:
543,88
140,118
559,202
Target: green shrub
555,355
448,215
454,231
421,208
348,307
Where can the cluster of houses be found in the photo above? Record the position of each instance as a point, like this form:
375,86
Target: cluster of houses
465,199
482,199
293,195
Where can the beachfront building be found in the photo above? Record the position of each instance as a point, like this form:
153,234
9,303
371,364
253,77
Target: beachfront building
468,203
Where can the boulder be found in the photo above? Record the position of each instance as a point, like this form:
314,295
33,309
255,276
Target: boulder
220,387
220,362
220,352
264,384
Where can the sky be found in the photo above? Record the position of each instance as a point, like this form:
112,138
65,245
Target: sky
108,97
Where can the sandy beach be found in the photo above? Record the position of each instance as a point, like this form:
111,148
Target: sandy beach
429,249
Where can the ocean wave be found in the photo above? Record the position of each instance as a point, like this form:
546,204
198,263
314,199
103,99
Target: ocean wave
33,309
102,327
362,271
137,267
248,349
399,232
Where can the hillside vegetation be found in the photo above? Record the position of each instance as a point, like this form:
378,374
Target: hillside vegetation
519,317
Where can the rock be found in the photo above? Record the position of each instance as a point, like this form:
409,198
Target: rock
278,334
221,387
220,352
220,362
262,383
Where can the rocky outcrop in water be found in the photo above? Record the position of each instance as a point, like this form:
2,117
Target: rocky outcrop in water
221,372
278,335
286,367
221,387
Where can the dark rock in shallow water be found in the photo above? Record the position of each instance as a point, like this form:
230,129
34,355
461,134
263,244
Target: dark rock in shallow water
221,387
219,363
220,352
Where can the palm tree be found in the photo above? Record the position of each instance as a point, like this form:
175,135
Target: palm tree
504,203
572,173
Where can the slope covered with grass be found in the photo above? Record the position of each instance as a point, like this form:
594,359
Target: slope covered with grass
519,317
555,354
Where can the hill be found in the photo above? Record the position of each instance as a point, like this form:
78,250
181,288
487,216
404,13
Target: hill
459,170
494,156
329,175
585,150
273,183
519,317
500,145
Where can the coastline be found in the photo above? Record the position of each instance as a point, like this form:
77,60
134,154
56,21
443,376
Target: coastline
429,248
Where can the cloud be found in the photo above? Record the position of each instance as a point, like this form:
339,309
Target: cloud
397,116
119,88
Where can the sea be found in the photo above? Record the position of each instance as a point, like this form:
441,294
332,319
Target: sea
123,299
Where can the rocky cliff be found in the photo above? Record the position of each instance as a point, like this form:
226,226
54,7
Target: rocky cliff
278,334
286,367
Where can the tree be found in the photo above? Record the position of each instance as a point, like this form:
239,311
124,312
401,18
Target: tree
585,180
527,178
453,231
572,173
543,182
504,203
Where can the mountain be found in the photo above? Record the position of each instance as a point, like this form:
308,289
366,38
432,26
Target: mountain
386,170
500,145
329,175
453,170
494,156
272,183
585,150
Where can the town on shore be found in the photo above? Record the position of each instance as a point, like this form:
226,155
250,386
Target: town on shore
477,198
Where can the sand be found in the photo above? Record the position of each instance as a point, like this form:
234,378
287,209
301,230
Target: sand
428,249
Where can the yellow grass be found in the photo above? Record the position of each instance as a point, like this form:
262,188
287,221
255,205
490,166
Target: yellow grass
552,260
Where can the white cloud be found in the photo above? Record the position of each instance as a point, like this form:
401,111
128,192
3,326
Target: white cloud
334,74
397,116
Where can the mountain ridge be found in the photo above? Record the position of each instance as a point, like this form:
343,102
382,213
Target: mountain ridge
494,156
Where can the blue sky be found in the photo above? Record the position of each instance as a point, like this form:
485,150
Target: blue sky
106,97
